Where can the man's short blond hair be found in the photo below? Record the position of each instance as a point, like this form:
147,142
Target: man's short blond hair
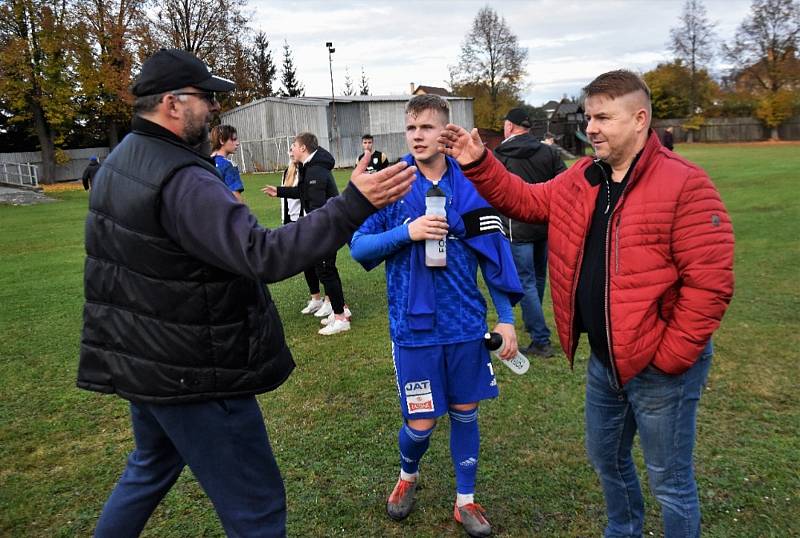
420,103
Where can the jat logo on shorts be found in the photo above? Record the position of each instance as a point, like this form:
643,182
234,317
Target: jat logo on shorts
418,396
414,388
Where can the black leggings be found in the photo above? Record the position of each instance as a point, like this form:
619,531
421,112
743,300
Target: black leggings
329,276
312,280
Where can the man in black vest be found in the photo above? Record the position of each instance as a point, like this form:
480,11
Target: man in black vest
377,160
177,318
535,162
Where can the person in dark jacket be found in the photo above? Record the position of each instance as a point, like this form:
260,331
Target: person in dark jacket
89,172
177,319
315,188
534,162
669,139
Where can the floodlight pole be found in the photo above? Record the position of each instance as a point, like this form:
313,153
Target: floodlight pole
331,50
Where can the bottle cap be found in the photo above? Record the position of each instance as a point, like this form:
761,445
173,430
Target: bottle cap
435,191
492,341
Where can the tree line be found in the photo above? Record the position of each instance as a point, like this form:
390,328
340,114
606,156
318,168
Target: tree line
66,65
763,79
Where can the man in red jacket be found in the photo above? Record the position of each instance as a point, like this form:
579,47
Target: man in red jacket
641,259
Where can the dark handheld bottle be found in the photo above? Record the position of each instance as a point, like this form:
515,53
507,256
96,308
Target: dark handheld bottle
435,249
518,364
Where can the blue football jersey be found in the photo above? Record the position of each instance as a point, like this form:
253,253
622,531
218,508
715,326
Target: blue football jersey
460,307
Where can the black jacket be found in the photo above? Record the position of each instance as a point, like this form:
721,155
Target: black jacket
176,310
89,173
534,162
316,184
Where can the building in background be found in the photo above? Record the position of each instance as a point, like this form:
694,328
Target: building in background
267,127
428,90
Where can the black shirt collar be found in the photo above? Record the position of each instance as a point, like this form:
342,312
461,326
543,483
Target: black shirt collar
601,171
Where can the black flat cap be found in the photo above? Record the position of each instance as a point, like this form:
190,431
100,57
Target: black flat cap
518,116
170,69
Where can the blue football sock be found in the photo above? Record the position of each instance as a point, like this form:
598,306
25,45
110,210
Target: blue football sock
413,444
465,442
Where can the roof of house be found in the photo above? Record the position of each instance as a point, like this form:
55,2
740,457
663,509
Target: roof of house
565,108
431,90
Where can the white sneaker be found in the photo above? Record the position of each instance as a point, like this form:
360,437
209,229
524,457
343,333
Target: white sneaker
332,316
312,306
338,326
324,311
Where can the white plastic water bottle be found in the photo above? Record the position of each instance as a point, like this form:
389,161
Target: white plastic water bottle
518,364
435,249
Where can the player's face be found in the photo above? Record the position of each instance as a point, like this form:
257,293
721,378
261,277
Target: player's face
422,130
367,145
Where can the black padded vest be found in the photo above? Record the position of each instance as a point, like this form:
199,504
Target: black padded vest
160,325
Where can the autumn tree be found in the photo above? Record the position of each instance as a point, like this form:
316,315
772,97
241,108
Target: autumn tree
14,135
491,68
209,29
291,86
765,61
349,89
364,84
672,85
264,67
692,42
110,30
36,71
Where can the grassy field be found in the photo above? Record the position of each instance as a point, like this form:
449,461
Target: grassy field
333,424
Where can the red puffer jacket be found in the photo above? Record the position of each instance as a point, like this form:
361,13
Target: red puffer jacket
669,253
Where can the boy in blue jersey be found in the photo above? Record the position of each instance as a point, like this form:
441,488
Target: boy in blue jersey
437,316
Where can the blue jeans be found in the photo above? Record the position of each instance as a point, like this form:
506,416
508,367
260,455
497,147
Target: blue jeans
224,443
531,262
663,409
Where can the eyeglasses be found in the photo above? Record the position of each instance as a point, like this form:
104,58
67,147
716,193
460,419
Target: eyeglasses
211,97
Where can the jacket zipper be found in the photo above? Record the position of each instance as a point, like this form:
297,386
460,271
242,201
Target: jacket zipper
608,281
616,246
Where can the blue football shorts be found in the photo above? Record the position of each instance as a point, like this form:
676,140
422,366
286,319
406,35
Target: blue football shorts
431,378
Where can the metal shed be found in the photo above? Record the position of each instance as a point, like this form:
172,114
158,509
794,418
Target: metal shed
267,127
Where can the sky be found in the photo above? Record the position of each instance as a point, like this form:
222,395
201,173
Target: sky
399,42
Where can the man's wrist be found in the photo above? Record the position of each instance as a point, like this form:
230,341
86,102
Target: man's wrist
477,161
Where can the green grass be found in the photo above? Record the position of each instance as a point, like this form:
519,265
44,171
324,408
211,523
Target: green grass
333,424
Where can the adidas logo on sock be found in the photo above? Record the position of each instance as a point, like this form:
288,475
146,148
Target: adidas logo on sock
469,462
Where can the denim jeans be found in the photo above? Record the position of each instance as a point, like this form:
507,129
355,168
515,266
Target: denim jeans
224,443
531,262
663,409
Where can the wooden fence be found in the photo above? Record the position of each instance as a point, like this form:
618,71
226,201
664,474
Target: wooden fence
729,130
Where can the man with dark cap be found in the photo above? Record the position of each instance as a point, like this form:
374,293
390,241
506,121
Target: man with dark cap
89,172
177,319
534,162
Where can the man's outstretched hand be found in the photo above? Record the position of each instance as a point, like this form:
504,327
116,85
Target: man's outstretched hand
386,186
464,147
